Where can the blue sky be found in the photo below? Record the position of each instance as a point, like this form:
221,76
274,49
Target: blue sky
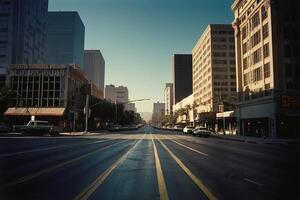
138,37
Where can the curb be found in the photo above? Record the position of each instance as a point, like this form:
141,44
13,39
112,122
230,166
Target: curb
256,142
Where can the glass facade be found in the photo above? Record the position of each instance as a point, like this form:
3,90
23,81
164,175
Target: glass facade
65,38
22,32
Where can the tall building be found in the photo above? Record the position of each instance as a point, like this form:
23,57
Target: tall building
116,94
182,76
158,111
168,94
65,38
214,76
22,32
94,67
268,56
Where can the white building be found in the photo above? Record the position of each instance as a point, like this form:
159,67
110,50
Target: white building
168,94
185,105
94,67
116,94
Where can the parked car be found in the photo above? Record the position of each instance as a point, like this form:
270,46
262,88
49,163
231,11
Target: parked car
188,129
4,128
201,131
38,128
115,128
178,128
169,127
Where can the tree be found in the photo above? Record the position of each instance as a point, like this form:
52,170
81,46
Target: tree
6,96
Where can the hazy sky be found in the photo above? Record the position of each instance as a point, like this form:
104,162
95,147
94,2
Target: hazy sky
138,37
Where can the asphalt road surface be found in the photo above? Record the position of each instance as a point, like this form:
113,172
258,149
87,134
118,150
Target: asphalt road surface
146,164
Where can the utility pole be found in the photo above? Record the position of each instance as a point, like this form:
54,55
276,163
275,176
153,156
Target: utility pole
116,109
87,112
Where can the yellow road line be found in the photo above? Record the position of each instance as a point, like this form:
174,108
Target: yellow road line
159,173
47,170
190,148
196,180
52,148
89,190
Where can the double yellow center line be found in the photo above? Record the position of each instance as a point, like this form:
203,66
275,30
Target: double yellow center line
194,178
159,173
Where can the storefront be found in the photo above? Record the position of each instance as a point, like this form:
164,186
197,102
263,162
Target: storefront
228,120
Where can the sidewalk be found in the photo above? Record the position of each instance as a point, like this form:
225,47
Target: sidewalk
256,140
83,133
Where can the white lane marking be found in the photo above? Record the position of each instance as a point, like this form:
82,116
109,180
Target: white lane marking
190,148
90,189
51,148
253,182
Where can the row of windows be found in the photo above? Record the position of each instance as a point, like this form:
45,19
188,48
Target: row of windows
255,39
223,54
256,74
256,56
223,62
254,22
222,32
224,76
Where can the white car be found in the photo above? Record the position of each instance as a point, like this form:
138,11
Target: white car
201,131
188,129
177,128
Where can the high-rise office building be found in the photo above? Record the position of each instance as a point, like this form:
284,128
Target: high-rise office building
94,67
65,38
158,111
214,76
268,56
22,32
182,76
168,94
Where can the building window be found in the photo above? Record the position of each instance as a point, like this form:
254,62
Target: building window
267,70
220,62
245,47
245,63
219,39
255,39
264,13
247,78
267,86
244,32
265,31
266,50
255,20
219,54
257,76
257,56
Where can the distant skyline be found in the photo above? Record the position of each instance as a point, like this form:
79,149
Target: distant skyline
138,37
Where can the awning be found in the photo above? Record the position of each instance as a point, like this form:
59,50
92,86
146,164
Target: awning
226,114
21,111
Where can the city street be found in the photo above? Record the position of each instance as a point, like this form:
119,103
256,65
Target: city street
146,164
